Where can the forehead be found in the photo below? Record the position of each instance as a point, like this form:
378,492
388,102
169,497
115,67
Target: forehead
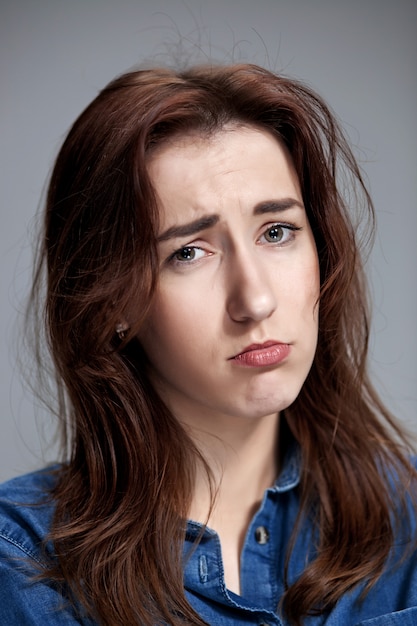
224,162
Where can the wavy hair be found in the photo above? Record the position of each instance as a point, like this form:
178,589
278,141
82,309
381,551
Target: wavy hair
123,494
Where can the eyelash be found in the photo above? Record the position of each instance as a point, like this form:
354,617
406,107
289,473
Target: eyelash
290,228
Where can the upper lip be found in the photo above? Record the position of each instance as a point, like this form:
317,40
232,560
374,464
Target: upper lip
258,346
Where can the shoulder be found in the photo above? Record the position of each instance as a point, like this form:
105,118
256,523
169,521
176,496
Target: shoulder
30,487
26,511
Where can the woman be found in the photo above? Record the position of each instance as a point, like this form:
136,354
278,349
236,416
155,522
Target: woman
227,459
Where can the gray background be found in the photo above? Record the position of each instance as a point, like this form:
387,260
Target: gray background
360,55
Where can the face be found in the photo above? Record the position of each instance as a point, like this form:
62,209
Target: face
233,328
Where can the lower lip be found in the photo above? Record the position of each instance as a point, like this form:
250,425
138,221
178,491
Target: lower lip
264,357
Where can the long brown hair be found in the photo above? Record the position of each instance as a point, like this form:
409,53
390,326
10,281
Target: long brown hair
123,495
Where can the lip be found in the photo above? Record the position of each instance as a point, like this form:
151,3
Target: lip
263,355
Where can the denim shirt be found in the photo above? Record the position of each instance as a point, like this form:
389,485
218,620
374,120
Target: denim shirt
28,602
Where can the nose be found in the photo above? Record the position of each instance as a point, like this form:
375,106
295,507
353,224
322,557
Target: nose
251,292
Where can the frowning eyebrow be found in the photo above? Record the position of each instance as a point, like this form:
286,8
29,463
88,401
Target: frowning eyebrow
208,221
275,206
191,228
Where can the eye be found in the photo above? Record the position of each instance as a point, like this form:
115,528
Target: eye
274,234
188,254
279,233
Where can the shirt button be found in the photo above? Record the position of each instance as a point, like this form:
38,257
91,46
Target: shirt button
262,537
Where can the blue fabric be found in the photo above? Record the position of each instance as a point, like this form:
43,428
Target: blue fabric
28,602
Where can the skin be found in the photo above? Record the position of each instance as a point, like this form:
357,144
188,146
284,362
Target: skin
247,276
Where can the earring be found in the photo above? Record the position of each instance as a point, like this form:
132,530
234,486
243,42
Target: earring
121,329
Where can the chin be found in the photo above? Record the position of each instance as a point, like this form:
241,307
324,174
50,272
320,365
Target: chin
264,409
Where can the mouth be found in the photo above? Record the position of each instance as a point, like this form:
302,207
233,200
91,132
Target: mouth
262,355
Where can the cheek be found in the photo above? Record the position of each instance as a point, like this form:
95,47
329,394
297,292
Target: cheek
307,304
313,275
172,328
314,293
308,280
158,330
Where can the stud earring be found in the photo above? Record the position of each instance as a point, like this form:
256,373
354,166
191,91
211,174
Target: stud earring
121,329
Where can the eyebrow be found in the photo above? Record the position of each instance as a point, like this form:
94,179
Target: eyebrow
208,221
275,206
191,228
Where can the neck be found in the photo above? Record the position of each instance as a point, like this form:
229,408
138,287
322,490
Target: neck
243,461
242,457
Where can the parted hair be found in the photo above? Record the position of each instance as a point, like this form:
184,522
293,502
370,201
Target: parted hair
123,494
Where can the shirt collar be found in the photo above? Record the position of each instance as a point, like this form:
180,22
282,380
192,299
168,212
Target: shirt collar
290,474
